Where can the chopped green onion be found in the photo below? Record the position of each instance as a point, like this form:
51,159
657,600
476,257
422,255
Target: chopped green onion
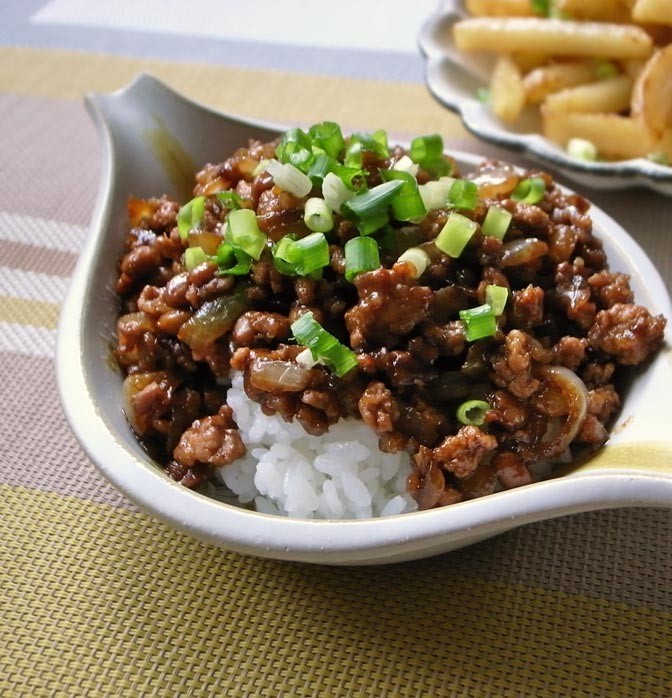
230,199
496,296
407,204
496,222
242,232
581,149
289,178
605,69
232,261
189,217
541,7
373,142
369,209
335,192
479,322
323,345
193,256
317,215
426,150
405,164
361,254
417,258
301,257
353,155
472,412
329,137
455,234
529,191
483,95
322,164
463,194
435,193
261,167
659,158
295,148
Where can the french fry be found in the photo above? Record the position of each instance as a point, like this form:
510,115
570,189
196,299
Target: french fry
507,96
541,82
499,8
615,137
599,10
652,93
664,145
633,67
606,96
529,61
655,11
555,36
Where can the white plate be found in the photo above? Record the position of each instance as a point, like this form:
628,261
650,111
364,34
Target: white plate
153,139
454,78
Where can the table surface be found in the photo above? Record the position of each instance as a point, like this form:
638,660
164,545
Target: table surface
98,598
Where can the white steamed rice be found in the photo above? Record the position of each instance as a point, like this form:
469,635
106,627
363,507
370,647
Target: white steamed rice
339,475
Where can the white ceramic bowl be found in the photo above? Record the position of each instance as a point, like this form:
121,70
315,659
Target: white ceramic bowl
454,77
153,140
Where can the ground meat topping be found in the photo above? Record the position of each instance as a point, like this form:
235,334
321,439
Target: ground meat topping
378,408
460,454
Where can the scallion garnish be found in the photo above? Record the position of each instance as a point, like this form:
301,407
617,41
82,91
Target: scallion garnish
541,7
455,234
230,199
605,69
496,296
329,137
301,257
322,164
324,346
242,232
418,258
317,215
193,256
407,205
369,209
361,254
529,191
232,261
290,178
472,412
426,150
659,158
405,164
295,148
479,322
496,222
335,191
353,155
463,194
373,142
435,193
189,217
581,149
483,95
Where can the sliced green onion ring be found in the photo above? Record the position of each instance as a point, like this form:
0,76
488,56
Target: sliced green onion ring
190,216
479,322
463,194
232,261
496,296
407,205
472,412
301,257
193,256
418,258
361,255
328,136
369,209
455,234
530,190
496,222
435,193
242,232
426,150
581,149
290,178
335,192
317,215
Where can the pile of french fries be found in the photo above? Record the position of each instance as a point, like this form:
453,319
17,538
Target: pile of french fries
598,70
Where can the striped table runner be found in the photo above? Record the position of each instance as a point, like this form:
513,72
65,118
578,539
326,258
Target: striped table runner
98,599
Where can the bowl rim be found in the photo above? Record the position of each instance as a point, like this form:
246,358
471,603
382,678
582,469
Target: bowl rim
324,541
636,170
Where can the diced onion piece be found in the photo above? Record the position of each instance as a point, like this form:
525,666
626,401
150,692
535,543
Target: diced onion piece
242,232
416,257
530,190
479,322
290,178
306,359
472,412
361,254
193,256
317,215
335,192
278,376
455,234
405,164
581,149
496,223
435,193
463,194
496,296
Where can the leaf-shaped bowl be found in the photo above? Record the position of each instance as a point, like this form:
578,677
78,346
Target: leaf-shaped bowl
153,139
454,78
